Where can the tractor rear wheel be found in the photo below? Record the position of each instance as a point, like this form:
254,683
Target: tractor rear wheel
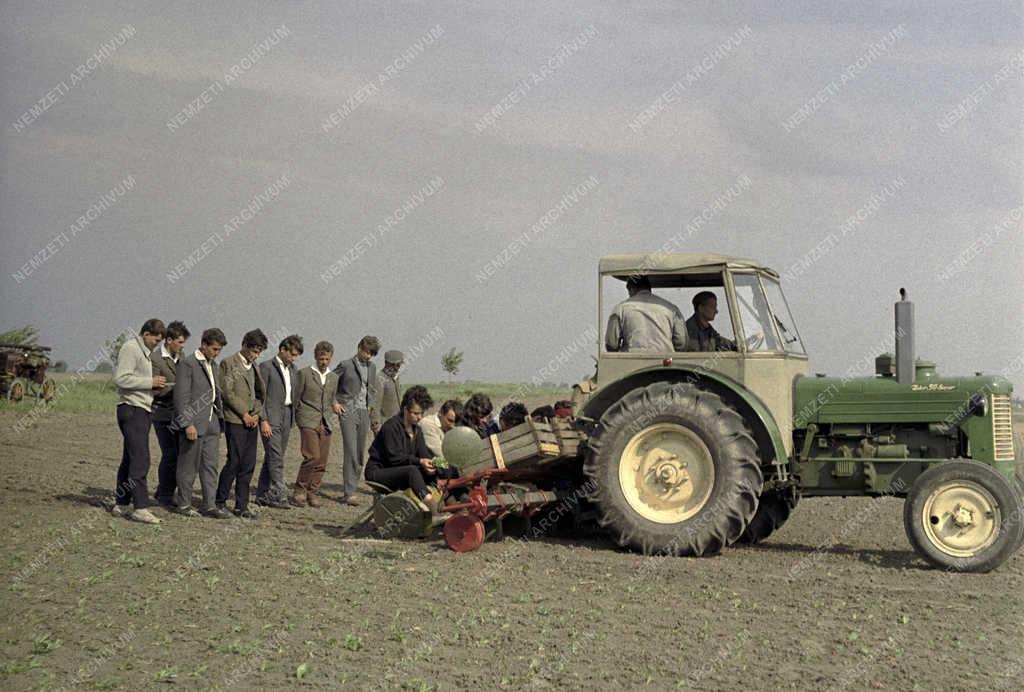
963,516
673,470
773,509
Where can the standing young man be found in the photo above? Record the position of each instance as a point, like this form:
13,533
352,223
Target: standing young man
280,376
165,360
316,413
197,420
135,385
243,407
389,391
357,390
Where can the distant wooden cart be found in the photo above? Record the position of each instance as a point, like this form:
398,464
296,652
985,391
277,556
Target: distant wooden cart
23,372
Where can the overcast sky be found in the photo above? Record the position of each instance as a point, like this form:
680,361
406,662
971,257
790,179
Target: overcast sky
449,174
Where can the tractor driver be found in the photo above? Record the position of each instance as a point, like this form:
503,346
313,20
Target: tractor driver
701,336
645,322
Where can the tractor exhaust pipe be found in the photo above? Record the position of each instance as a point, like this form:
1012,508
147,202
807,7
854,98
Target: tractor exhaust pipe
904,339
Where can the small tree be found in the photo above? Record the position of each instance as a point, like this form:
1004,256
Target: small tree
451,362
59,366
114,346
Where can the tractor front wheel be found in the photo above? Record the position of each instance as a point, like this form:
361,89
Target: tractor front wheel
673,470
963,516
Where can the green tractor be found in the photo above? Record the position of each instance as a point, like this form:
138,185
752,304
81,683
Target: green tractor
691,451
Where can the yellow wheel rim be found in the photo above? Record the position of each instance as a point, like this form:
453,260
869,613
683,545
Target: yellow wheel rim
961,518
666,473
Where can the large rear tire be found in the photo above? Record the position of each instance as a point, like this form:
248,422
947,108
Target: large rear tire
963,516
773,509
673,470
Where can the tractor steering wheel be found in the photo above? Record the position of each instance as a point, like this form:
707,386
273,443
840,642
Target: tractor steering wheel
755,341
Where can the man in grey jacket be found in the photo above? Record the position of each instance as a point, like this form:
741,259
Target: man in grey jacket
135,384
197,419
357,392
280,377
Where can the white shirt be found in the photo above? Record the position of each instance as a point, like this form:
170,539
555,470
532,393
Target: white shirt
245,361
209,375
164,353
321,375
287,381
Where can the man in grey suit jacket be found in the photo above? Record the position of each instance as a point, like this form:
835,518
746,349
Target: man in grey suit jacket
197,419
357,392
280,376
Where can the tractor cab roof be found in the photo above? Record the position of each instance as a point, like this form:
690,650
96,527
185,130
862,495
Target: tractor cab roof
654,264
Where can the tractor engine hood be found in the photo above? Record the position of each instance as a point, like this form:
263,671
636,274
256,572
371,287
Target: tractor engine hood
928,399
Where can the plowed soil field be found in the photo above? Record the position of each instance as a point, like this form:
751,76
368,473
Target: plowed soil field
835,599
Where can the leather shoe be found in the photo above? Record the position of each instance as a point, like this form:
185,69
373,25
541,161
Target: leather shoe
346,500
247,514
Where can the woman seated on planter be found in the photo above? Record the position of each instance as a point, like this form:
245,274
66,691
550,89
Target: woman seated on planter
399,457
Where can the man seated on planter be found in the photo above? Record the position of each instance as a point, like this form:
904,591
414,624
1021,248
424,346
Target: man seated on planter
399,457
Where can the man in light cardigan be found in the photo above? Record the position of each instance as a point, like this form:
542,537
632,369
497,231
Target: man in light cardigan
135,384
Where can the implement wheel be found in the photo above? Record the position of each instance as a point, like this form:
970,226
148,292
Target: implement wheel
464,532
963,516
773,509
16,390
674,470
48,390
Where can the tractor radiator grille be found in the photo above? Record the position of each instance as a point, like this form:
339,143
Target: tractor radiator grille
1002,428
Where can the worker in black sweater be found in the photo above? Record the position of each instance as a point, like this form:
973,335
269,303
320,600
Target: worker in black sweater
399,457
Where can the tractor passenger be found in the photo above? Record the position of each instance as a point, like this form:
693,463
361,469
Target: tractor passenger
701,336
399,457
645,322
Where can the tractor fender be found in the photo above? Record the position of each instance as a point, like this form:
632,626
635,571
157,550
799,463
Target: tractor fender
769,440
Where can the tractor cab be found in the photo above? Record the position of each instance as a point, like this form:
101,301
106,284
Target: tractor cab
759,345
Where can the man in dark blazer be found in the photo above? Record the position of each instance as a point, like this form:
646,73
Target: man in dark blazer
165,359
357,393
280,377
197,420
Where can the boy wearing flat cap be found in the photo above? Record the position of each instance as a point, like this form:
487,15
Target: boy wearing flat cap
389,391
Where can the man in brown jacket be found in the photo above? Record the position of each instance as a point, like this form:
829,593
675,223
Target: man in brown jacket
316,414
243,405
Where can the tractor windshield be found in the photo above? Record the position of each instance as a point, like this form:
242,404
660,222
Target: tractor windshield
755,314
783,317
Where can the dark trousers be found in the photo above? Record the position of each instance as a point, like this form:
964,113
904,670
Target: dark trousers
240,466
167,472
131,474
398,478
271,486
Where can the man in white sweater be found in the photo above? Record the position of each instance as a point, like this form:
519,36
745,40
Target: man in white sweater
434,427
135,384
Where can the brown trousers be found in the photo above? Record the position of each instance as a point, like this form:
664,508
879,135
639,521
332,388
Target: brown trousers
315,447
